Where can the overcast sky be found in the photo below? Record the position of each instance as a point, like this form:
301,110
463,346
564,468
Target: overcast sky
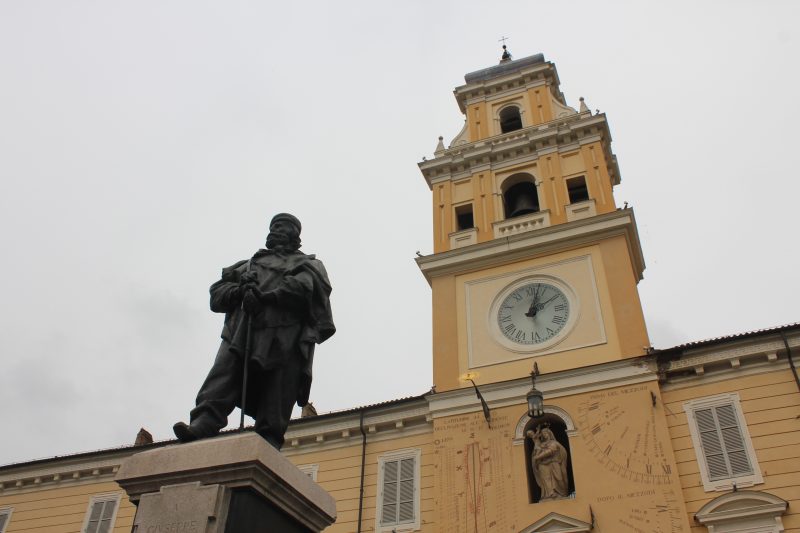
144,145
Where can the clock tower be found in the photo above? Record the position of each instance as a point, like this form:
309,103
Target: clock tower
533,261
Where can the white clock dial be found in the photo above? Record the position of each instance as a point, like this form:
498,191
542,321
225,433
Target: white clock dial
533,313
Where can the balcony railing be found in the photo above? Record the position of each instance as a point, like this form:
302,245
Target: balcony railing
465,237
521,224
580,210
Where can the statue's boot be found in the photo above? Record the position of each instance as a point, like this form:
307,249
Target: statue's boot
185,432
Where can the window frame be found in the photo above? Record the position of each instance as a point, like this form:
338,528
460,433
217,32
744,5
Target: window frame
720,400
502,109
585,186
398,455
116,497
7,512
310,470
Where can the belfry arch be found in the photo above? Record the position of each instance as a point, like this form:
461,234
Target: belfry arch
520,195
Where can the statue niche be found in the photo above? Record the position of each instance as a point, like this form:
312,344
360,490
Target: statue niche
548,461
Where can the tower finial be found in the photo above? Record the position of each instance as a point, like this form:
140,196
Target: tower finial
506,54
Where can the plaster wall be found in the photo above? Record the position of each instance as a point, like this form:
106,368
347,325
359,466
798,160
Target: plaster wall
483,189
63,509
610,325
770,403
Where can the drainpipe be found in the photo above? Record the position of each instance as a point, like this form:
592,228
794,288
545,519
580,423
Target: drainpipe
791,361
363,462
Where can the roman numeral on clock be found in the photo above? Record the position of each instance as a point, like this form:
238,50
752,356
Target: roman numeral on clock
560,320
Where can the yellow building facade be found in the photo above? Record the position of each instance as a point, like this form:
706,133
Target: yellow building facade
534,267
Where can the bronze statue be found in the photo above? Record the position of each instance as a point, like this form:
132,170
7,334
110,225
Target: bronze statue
277,308
549,464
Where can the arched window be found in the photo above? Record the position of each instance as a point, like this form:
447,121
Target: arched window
510,119
520,196
548,459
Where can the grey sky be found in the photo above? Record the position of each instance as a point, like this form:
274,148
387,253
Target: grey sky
144,146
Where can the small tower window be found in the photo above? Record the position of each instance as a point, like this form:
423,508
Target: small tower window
510,119
464,219
521,199
576,187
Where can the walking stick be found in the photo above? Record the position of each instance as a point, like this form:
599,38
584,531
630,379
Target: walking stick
244,370
246,357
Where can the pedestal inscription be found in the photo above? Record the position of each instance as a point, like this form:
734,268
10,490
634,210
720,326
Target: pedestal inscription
186,508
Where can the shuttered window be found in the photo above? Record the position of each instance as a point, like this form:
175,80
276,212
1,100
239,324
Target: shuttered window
399,500
722,443
5,514
101,515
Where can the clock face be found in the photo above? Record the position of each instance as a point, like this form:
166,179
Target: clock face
533,313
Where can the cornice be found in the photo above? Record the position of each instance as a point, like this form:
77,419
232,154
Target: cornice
727,360
380,423
538,242
552,386
563,134
539,73
63,472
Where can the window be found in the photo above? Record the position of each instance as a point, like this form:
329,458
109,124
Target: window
722,442
101,514
5,517
464,219
309,470
398,491
510,119
577,190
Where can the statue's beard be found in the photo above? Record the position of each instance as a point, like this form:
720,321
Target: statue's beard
278,241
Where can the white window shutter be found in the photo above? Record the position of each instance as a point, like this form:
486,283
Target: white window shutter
100,516
398,501
722,442
405,501
389,508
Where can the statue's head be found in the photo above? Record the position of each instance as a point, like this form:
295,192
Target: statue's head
284,232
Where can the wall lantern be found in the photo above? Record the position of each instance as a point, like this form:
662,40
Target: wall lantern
535,397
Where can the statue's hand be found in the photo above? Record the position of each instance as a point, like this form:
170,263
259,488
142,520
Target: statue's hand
248,277
251,303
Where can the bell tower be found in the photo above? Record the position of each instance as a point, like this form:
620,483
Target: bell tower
533,261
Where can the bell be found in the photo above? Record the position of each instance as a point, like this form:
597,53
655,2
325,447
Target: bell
522,204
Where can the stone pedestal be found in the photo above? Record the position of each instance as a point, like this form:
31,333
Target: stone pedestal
230,484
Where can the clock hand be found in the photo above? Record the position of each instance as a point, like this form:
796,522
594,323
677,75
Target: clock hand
548,301
533,308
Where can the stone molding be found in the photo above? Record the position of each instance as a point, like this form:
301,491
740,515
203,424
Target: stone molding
580,210
512,226
63,472
531,142
465,237
744,356
519,437
727,512
540,242
244,460
380,423
556,385
558,523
